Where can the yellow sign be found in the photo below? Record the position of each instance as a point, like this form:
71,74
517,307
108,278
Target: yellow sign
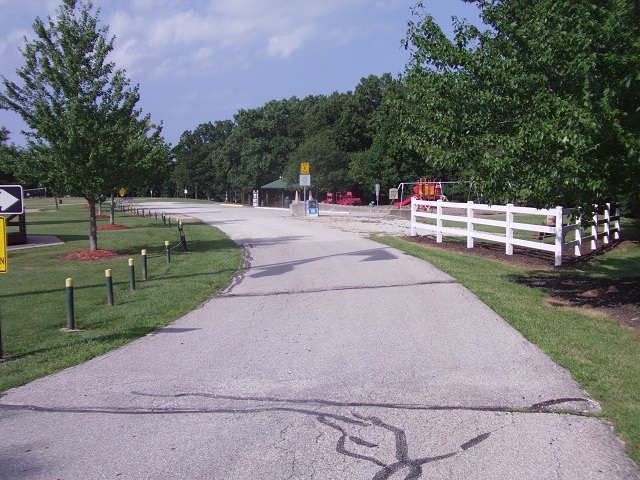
304,169
121,192
3,246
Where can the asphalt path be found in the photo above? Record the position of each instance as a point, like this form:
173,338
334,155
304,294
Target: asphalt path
329,356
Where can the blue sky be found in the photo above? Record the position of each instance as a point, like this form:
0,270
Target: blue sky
203,60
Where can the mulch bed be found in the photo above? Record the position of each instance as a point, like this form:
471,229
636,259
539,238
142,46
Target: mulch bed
618,298
111,227
92,255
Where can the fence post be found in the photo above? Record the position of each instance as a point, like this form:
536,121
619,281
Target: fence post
439,221
577,250
167,250
132,276
169,220
143,253
413,218
594,228
470,224
107,274
509,230
559,236
71,324
607,223
164,219
616,226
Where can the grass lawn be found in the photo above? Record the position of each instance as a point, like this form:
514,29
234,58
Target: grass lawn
602,356
32,292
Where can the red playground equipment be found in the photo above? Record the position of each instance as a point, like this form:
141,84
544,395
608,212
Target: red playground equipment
347,199
424,190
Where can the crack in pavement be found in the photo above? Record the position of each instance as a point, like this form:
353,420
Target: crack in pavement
226,294
540,407
351,445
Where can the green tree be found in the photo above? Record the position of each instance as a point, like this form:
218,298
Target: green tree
8,156
262,142
329,165
85,131
542,107
201,163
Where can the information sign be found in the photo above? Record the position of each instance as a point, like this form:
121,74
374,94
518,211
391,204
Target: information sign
305,180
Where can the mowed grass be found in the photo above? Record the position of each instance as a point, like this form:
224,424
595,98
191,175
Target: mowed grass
32,293
601,355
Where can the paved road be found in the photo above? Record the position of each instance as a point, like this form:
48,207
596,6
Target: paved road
328,357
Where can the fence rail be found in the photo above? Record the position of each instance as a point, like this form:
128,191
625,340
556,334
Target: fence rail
559,223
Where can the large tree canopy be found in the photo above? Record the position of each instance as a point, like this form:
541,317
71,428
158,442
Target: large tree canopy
86,135
541,107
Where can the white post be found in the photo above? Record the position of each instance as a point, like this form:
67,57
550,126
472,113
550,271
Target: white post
413,218
607,223
559,239
439,221
594,229
470,224
577,250
509,232
616,224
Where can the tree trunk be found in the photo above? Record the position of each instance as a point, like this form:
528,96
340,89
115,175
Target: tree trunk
55,198
112,210
93,230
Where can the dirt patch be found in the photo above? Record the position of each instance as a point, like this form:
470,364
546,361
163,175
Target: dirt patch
92,255
618,298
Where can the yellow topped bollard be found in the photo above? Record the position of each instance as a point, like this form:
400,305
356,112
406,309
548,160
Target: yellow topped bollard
107,274
132,276
71,325
143,254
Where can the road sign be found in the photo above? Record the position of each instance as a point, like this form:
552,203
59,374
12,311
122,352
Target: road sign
305,180
11,200
121,192
304,169
3,245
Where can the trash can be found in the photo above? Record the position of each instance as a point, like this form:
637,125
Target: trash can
287,202
312,208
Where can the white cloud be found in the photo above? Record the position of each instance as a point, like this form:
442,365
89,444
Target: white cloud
284,45
196,33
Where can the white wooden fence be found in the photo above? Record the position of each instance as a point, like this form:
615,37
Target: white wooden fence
562,222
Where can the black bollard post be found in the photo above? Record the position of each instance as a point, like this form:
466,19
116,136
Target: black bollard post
71,321
132,276
107,274
143,253
167,250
